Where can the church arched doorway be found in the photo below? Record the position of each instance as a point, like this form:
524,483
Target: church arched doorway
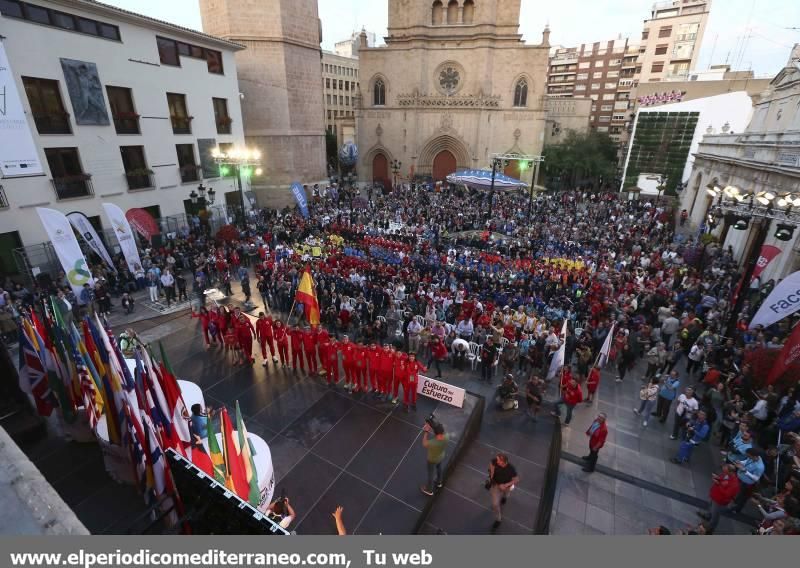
444,163
380,171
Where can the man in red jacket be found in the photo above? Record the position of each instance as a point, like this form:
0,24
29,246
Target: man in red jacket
571,395
400,373
310,349
348,350
265,337
330,361
410,381
386,371
244,335
373,368
296,335
322,337
723,491
597,432
282,341
360,368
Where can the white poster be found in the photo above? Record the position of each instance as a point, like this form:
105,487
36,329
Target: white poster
122,230
86,230
782,302
67,248
438,390
18,155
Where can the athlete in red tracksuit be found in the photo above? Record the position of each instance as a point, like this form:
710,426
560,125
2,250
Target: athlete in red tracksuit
348,350
331,361
373,358
265,336
400,372
244,335
386,371
360,369
296,335
205,320
410,381
322,337
310,348
282,340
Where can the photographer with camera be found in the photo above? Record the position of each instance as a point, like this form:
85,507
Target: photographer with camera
436,447
281,511
506,394
502,479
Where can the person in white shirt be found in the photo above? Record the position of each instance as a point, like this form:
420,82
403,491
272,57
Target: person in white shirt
684,411
760,411
465,329
414,329
168,283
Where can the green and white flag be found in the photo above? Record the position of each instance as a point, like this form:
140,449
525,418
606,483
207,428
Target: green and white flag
67,248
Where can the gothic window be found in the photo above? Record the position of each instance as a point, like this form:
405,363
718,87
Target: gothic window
468,12
379,93
521,93
452,12
437,15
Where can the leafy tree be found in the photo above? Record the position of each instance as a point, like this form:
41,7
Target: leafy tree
583,160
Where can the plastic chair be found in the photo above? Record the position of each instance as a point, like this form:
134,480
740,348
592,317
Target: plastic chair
503,342
474,354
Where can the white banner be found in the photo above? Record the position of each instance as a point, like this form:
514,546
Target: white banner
122,230
18,155
782,302
602,359
86,230
437,390
67,248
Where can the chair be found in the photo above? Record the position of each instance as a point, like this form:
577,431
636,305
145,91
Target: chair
352,302
503,342
381,319
474,354
420,320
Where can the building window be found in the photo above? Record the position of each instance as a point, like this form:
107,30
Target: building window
468,13
604,118
597,75
57,19
608,97
657,67
11,9
599,63
452,12
521,93
615,62
610,85
69,179
214,61
126,121
645,34
168,51
328,98
327,83
341,100
606,108
583,76
188,167
347,85
612,74
341,85
437,13
347,101
137,174
379,93
595,86
580,87
178,114
665,31
661,49
330,115
584,64
221,116
46,106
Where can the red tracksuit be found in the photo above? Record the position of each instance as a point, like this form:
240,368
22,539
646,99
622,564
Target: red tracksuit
348,362
322,337
331,361
386,371
217,320
244,334
205,320
373,358
410,382
400,372
296,334
310,349
265,336
360,369
282,340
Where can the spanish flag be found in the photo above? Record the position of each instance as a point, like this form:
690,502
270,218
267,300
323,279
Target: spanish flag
307,295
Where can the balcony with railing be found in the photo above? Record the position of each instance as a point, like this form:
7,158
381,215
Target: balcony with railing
52,123
139,179
73,186
224,125
3,200
190,173
181,124
127,123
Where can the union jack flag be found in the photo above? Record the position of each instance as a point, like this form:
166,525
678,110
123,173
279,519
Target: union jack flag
33,377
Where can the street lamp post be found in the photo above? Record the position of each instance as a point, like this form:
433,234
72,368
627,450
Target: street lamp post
396,165
243,161
537,161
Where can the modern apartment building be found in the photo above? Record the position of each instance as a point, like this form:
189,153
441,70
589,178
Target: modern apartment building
104,105
349,47
339,88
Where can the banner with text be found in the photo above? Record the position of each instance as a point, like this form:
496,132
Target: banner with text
300,196
124,234
67,248
18,155
81,224
782,302
438,390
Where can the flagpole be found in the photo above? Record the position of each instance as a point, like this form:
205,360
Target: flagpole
288,317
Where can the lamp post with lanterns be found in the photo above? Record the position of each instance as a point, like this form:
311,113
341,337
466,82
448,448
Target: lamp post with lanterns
245,162
396,165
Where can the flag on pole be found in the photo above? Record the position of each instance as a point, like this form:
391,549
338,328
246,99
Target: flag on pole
558,359
790,355
175,402
32,377
217,459
606,349
236,479
254,497
307,295
201,459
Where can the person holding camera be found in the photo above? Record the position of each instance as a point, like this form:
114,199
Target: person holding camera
697,430
502,479
281,512
436,448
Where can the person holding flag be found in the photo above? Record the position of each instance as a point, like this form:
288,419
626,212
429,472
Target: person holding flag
307,295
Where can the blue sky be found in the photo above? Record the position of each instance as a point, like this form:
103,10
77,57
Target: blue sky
759,25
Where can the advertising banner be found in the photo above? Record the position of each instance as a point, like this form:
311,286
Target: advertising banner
782,302
67,248
18,155
122,230
142,222
81,224
300,196
438,390
767,254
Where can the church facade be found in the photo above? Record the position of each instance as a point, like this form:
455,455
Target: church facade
453,85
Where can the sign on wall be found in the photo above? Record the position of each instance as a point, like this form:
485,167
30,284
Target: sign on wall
18,155
85,92
438,390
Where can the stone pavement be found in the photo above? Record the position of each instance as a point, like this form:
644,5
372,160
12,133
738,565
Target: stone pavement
635,486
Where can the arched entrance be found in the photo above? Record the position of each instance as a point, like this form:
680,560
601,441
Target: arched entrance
380,171
444,164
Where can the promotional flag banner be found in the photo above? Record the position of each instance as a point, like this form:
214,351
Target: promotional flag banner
790,355
782,302
124,234
300,196
67,248
606,349
81,224
767,254
307,295
142,222
254,496
558,358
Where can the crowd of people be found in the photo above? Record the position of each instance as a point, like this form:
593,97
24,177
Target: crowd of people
419,279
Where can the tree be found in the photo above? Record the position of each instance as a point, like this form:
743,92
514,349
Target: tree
582,160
